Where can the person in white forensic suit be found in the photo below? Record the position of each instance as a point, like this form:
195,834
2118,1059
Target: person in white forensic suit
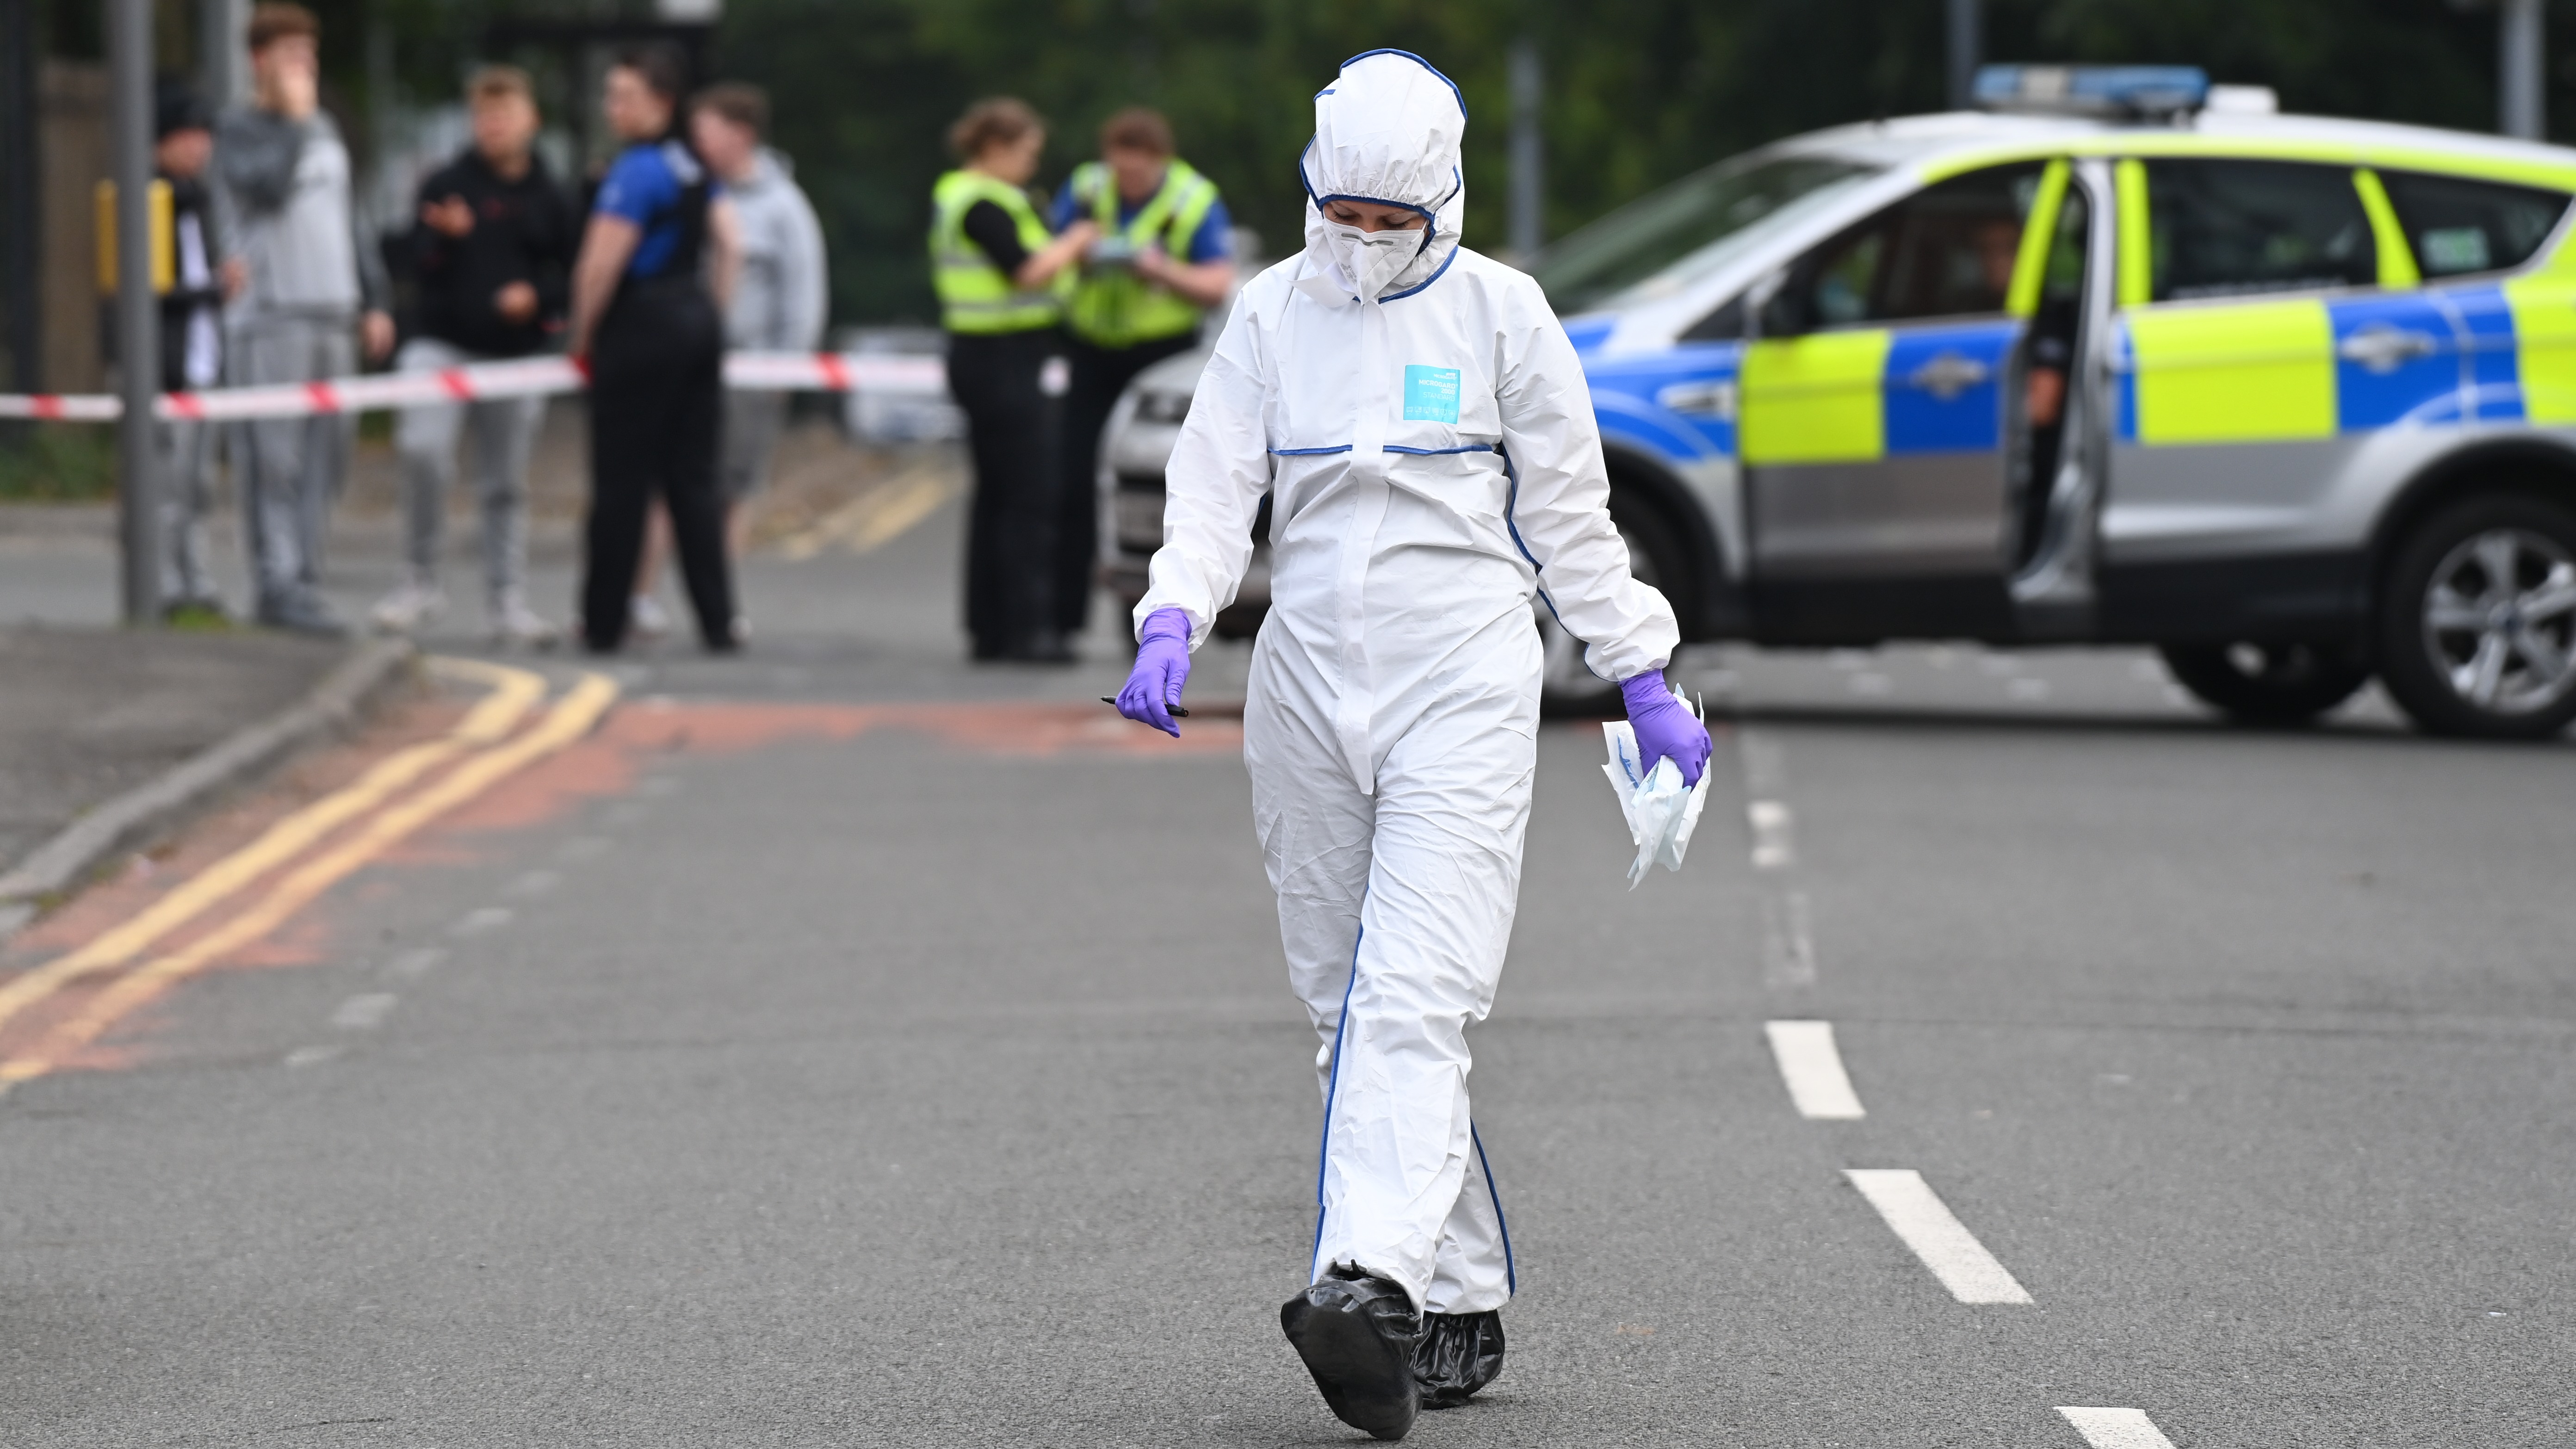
1427,437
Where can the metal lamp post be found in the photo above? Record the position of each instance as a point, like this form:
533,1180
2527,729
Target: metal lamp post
2519,70
138,314
1528,215
1967,41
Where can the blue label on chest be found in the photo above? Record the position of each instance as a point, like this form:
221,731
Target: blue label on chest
1430,394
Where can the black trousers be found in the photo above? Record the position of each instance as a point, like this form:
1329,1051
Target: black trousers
656,420
1010,432
1100,374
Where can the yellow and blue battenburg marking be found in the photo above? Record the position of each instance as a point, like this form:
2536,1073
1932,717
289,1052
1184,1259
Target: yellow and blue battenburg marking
2542,309
1678,405
2407,355
1852,396
1944,387
1858,396
1827,397
2316,368
2256,369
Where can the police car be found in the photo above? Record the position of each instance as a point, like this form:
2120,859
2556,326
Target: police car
2121,357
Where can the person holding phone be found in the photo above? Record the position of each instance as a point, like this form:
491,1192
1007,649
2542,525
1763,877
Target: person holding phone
492,247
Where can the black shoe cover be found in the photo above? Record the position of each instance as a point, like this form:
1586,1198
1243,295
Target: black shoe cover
1458,1354
1356,1334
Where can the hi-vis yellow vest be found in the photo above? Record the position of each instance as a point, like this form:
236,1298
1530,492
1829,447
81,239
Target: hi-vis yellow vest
1114,307
974,295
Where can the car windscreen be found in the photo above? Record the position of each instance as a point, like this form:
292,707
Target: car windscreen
1662,242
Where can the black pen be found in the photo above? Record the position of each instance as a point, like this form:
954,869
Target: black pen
1176,711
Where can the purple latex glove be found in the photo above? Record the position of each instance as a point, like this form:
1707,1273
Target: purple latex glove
1663,726
1162,667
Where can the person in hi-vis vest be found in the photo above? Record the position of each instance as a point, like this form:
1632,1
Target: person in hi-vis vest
1163,257
999,276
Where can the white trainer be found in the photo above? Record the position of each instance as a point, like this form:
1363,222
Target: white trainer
647,617
413,606
516,625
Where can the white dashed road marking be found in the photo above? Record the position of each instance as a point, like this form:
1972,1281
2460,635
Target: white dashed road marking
312,1056
1936,1235
415,963
489,918
363,1013
2117,1428
535,883
1773,847
1788,941
1813,1069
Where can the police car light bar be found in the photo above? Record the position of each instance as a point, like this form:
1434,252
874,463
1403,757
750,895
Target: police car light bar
2131,91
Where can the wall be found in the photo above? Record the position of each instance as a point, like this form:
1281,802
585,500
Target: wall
72,142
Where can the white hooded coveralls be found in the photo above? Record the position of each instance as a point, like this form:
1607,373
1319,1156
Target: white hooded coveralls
1434,464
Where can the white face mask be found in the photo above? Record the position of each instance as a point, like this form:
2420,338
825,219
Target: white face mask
1371,259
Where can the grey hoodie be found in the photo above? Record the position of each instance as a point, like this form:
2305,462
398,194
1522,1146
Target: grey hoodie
284,193
780,300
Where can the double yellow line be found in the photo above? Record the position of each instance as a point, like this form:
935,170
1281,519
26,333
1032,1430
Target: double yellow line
484,738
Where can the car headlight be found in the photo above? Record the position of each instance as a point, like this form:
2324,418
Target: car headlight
1163,407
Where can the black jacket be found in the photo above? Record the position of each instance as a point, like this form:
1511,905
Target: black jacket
188,200
524,231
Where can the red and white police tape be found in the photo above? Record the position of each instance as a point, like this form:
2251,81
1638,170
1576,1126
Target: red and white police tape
914,376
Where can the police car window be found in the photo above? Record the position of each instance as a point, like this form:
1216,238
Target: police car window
2470,226
1663,242
2239,228
1946,251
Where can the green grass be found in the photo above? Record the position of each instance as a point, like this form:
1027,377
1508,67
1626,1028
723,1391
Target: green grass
57,463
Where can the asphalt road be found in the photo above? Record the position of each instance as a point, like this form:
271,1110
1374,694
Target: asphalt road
796,1064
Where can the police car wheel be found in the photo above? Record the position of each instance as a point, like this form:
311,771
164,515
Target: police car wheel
1567,686
2267,684
2478,620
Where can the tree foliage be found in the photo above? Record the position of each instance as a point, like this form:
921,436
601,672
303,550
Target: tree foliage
1638,91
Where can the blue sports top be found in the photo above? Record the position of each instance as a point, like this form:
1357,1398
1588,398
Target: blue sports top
643,185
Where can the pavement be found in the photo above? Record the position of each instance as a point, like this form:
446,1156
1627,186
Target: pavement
844,1045
90,715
